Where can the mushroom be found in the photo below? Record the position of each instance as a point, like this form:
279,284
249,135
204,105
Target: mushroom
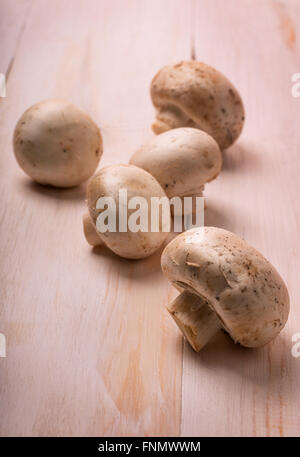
193,94
57,144
182,160
224,282
108,183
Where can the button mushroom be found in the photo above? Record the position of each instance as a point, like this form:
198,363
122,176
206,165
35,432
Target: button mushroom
182,160
108,183
224,283
57,144
193,94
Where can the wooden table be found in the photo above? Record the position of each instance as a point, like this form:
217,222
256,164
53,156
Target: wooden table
90,347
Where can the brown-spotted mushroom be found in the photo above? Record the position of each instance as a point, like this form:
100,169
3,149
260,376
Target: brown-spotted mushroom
57,144
182,160
224,283
136,182
194,94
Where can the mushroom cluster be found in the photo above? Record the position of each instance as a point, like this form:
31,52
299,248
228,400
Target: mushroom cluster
223,282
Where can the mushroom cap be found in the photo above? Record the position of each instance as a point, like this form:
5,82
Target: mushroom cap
193,94
246,292
57,144
182,160
138,183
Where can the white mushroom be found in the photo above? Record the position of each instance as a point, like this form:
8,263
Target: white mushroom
137,183
224,283
193,94
57,144
182,160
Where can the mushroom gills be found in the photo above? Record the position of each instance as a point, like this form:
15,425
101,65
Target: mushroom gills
197,321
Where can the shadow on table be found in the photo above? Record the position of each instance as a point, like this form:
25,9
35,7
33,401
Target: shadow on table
60,193
263,366
133,268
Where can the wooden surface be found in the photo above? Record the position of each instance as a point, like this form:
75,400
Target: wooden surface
90,347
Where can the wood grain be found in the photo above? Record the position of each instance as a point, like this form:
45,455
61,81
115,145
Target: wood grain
90,347
227,390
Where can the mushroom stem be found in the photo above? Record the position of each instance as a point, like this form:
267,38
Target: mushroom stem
159,126
89,231
170,117
195,319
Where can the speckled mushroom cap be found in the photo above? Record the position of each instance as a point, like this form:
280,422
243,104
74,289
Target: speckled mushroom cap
57,144
245,291
182,160
138,183
193,94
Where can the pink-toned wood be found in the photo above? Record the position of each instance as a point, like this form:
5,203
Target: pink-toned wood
228,390
90,348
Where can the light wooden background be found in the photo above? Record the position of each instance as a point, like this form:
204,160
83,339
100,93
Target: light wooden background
90,347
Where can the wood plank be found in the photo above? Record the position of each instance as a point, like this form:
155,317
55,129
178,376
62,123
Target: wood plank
228,390
90,348
12,24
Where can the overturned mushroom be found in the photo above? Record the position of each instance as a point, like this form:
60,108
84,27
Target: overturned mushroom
57,144
108,186
224,283
182,160
193,94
